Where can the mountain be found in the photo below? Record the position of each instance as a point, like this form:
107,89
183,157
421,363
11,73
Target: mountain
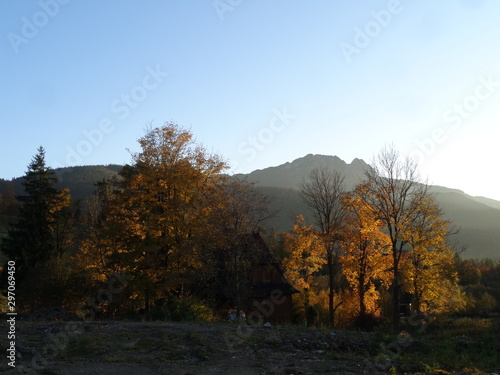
487,201
79,180
477,218
291,175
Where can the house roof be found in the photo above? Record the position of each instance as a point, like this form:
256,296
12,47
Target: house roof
254,242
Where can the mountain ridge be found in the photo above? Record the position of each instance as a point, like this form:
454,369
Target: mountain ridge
294,171
478,217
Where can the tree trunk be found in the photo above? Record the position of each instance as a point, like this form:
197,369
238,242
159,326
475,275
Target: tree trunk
238,288
396,298
306,300
416,297
361,296
147,304
331,280
308,309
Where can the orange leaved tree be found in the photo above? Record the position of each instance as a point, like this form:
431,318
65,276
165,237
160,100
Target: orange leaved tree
429,271
365,248
305,258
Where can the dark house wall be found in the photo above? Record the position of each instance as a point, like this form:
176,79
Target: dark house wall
272,294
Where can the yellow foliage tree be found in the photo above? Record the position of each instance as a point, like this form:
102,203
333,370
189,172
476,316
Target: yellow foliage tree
155,211
365,250
323,193
395,192
305,258
103,237
429,272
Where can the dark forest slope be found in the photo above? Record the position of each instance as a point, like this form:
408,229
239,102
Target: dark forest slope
478,218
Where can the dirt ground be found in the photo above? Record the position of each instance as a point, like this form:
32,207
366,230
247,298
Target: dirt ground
124,348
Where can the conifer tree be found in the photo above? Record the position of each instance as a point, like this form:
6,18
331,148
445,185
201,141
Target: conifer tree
31,240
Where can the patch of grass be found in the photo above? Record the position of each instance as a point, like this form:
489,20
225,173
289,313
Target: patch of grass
385,337
250,341
115,359
333,356
190,346
148,344
128,347
34,339
452,346
461,327
47,371
82,347
437,353
173,355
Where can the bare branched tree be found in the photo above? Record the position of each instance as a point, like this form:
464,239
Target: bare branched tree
239,212
323,193
396,193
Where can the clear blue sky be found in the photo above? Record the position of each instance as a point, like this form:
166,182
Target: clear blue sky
258,82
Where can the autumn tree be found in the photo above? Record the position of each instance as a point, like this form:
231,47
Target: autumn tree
157,207
395,193
429,267
365,248
468,272
236,212
323,193
103,238
305,258
165,191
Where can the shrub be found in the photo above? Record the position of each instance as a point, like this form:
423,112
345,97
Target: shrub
189,309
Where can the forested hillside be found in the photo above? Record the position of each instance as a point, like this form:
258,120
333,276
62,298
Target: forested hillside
478,218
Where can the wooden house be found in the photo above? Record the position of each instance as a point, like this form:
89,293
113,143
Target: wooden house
270,292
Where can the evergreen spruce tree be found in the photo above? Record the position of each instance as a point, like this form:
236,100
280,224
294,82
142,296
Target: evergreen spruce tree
31,241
